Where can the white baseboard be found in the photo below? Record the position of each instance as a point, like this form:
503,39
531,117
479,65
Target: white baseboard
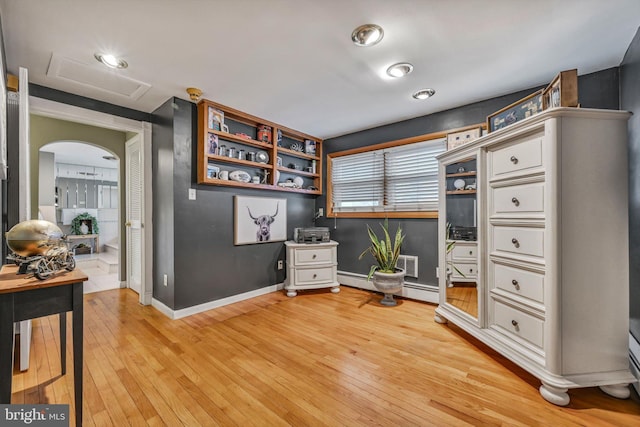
634,360
410,290
184,312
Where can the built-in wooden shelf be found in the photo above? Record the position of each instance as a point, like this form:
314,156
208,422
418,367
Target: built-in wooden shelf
275,140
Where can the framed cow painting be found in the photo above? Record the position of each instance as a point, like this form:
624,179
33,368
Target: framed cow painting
259,220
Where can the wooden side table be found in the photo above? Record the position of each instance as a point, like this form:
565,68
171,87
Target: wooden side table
24,297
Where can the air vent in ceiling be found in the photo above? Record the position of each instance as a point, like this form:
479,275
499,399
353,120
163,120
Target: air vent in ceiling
95,77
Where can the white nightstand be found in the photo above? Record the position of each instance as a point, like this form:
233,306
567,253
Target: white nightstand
311,266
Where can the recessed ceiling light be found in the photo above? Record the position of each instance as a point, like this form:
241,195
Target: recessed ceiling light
399,70
367,35
424,93
111,61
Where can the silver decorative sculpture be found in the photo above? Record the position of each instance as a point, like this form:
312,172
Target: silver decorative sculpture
39,247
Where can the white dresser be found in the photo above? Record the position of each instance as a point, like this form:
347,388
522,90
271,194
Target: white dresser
311,266
553,266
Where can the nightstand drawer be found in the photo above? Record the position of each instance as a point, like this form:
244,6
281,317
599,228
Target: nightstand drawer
312,256
519,282
314,275
528,198
518,323
519,240
518,157
468,270
464,251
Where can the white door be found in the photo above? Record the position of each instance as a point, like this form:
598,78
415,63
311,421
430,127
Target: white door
134,213
24,180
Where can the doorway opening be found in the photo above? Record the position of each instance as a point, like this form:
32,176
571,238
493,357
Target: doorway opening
79,192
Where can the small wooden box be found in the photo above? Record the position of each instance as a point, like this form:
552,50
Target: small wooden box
562,91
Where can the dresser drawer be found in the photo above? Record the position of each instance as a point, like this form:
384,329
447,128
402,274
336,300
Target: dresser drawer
527,198
518,323
468,270
519,282
305,276
312,256
526,154
463,251
519,240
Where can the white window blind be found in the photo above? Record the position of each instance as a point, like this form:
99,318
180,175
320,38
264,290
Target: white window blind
403,178
358,182
411,175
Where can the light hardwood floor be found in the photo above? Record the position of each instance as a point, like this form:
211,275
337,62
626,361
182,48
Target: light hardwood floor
464,297
316,359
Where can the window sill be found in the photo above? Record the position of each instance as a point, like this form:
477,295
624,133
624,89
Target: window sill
419,214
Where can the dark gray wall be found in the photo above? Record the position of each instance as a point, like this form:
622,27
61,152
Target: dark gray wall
630,101
193,239
88,103
4,222
596,90
162,177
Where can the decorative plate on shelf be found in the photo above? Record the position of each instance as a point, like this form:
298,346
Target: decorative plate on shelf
262,157
240,176
459,184
296,146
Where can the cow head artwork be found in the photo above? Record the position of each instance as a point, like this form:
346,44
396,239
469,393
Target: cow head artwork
264,225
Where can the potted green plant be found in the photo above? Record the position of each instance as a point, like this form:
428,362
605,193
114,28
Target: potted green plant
386,277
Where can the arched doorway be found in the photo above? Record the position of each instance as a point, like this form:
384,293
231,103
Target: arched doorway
81,180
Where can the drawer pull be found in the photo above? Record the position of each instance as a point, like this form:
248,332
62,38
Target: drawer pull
515,284
515,242
315,275
515,324
314,256
514,160
515,201
470,252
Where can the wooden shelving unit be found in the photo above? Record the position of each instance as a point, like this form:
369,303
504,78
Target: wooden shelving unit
462,192
277,143
453,175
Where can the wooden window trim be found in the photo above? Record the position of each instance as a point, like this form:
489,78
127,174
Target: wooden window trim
381,146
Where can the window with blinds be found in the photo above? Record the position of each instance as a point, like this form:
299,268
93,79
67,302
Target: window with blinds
402,178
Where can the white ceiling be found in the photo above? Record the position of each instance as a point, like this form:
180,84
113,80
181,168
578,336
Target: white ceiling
293,62
75,153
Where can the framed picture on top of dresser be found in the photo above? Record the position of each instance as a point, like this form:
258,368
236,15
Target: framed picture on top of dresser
259,220
519,110
562,91
456,139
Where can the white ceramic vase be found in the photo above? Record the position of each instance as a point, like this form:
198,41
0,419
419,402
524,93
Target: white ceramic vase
388,284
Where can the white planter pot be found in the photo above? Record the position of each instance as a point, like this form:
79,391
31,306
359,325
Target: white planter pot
388,284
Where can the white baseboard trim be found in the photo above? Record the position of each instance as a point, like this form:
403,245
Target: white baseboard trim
184,312
411,290
634,360
123,284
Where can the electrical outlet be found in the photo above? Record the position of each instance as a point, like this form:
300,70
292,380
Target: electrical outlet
165,280
437,273
320,211
280,264
192,194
